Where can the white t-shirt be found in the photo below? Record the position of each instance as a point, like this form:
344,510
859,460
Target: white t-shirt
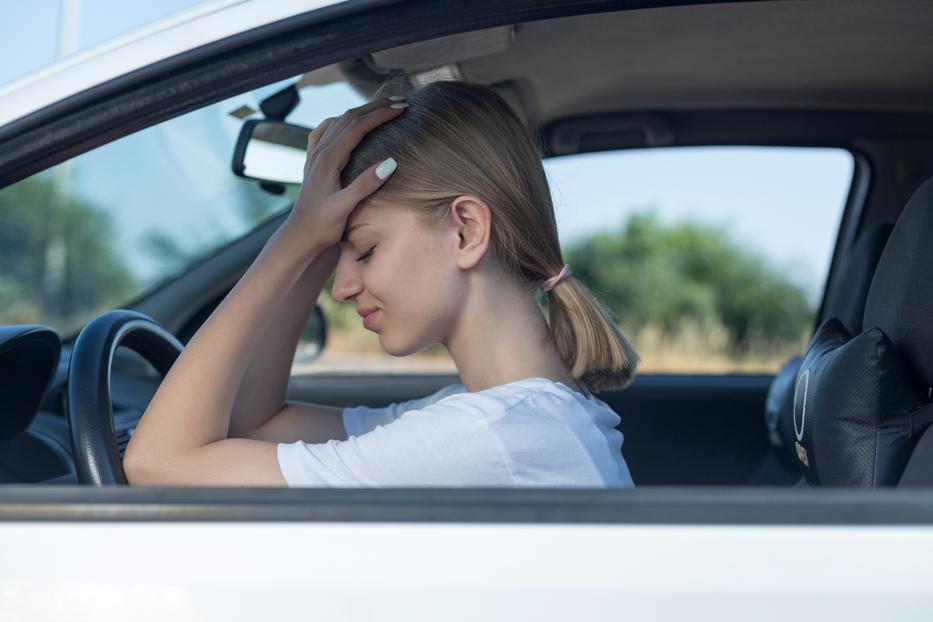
532,432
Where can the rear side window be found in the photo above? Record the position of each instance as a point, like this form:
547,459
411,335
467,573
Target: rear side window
712,259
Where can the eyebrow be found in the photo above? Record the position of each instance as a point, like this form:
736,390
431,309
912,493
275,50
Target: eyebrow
346,234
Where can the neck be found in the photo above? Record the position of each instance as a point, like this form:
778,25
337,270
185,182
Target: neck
501,336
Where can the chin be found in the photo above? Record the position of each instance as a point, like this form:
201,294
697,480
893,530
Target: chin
394,348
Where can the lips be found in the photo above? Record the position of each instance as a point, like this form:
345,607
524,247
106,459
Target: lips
369,316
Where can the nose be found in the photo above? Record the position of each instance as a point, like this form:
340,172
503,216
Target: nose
347,280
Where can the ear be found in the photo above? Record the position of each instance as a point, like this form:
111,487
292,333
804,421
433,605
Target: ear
471,219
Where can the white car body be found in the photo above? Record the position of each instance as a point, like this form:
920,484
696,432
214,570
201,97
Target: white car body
201,25
96,563
456,572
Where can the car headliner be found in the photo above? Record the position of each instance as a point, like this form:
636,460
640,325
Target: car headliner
856,55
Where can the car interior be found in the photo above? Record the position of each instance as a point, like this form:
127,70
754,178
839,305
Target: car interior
853,409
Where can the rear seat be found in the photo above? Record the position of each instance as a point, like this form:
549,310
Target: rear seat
847,303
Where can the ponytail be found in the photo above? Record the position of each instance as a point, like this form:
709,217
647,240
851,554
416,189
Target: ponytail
587,338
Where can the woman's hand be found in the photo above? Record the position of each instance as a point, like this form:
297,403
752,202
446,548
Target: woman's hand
322,207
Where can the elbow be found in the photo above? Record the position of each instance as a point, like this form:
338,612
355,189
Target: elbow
144,468
137,470
141,460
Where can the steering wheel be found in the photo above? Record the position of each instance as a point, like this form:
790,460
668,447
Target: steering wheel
89,406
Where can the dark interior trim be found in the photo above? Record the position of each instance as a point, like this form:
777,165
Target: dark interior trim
685,128
849,228
655,506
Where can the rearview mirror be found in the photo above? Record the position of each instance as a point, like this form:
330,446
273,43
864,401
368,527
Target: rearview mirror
271,151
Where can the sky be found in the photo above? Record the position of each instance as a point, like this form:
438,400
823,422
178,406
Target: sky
29,32
784,203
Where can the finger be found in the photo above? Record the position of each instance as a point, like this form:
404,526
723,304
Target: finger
344,144
367,182
348,117
314,138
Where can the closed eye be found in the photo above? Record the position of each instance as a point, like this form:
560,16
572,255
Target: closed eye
366,254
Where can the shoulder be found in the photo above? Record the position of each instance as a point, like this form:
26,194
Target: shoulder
487,404
532,395
428,400
535,409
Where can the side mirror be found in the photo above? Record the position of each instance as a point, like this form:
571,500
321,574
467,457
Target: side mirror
313,337
271,151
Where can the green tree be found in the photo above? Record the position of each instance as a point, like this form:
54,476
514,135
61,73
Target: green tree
58,262
693,275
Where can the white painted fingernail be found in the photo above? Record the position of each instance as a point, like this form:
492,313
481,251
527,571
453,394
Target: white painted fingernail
387,167
397,98
397,106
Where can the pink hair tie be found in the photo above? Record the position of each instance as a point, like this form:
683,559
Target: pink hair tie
549,284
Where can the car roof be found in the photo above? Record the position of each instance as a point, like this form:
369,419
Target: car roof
201,25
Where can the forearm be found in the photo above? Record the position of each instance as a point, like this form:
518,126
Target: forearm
262,392
192,406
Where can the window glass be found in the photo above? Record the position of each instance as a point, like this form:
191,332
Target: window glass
712,259
99,230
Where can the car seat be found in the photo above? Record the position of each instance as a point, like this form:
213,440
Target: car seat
847,303
862,400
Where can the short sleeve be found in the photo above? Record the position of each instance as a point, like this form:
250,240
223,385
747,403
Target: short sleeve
440,446
359,420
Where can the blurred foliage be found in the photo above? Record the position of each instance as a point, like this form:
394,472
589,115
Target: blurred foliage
689,279
58,258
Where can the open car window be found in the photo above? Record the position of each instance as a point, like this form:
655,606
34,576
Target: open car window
712,259
101,229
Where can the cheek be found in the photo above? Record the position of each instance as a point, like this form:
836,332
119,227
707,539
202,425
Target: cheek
425,291
425,276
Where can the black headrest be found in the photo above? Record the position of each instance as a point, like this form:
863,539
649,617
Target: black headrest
847,303
857,414
900,300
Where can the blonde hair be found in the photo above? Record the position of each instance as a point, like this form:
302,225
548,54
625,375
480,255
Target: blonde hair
460,138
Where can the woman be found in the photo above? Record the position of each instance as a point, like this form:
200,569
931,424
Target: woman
436,213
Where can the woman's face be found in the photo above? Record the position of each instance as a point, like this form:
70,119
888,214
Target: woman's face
407,272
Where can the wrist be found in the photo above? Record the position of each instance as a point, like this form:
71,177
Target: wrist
296,237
